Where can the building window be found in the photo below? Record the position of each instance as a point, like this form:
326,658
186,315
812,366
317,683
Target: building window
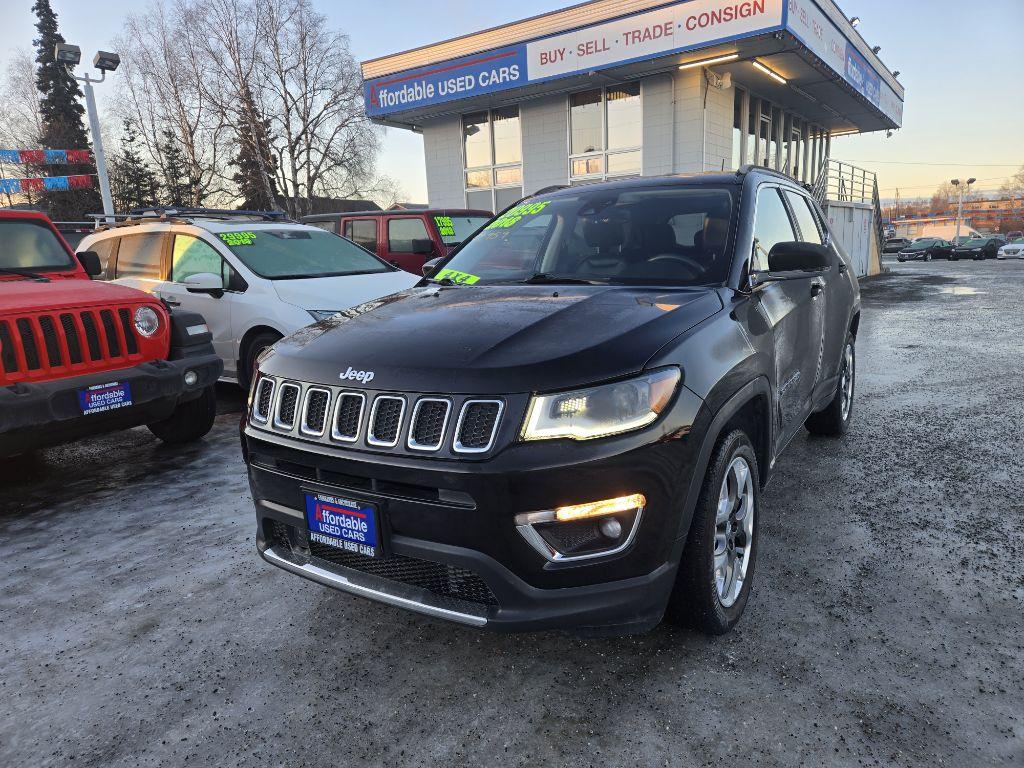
605,133
493,156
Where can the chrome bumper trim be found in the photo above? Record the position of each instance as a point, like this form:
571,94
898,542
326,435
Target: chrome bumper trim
336,580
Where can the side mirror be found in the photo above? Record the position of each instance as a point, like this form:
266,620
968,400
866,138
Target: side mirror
431,266
423,247
204,282
90,261
798,257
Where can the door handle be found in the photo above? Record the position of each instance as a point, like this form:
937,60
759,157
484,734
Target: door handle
817,289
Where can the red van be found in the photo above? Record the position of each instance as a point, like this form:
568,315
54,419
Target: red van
407,239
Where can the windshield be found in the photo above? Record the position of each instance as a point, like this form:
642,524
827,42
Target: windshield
288,254
975,242
632,236
920,245
457,229
30,245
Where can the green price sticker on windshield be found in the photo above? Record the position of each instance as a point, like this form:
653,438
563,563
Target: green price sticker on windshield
461,278
513,216
445,226
238,238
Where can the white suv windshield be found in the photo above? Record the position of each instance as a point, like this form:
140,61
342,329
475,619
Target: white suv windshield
29,245
675,236
288,254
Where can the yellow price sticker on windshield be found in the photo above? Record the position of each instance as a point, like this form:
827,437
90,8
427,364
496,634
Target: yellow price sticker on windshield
445,226
462,278
238,238
513,216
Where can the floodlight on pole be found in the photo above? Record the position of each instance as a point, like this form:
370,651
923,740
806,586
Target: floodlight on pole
960,203
70,56
855,22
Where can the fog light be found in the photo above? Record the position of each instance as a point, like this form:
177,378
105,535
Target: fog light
582,531
611,528
191,377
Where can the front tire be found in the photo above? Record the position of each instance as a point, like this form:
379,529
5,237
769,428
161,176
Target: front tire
190,421
717,567
253,349
834,419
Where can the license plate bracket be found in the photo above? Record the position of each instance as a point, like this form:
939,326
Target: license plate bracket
345,523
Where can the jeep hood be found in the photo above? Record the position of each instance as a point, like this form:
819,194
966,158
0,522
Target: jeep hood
494,339
23,295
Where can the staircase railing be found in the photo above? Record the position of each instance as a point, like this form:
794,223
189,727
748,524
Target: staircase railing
845,183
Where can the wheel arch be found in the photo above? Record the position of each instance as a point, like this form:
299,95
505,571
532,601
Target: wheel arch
246,340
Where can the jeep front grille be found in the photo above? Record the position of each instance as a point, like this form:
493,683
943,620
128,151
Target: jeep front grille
411,423
47,344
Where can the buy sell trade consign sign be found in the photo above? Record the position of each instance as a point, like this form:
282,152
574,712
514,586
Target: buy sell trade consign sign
667,30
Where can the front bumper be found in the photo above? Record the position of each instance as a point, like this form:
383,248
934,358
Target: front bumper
39,414
451,544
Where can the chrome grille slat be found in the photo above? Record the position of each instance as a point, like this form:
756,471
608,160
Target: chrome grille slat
315,406
478,425
385,422
264,400
348,416
429,423
287,405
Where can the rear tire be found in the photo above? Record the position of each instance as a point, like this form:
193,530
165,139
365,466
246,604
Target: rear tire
834,420
717,566
190,421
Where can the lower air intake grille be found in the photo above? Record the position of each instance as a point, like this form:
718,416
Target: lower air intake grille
477,425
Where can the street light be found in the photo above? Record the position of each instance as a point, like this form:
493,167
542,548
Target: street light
71,56
960,202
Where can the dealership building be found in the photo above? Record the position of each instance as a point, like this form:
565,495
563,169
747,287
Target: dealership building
618,88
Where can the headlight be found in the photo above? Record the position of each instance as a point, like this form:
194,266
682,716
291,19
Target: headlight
610,409
322,314
147,321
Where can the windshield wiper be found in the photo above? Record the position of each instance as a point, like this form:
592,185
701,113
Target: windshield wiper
24,273
544,278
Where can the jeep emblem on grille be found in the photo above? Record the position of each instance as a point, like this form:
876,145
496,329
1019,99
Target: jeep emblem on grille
363,377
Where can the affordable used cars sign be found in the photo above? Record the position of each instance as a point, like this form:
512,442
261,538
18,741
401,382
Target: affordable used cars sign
663,31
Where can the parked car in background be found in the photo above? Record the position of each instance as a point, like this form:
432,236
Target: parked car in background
254,276
1015,235
978,248
82,358
961,239
406,239
1012,250
570,424
926,250
895,245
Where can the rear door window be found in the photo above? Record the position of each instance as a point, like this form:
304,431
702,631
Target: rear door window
139,256
362,232
805,218
402,234
104,249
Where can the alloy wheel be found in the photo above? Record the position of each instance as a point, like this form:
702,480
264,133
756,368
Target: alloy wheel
734,531
846,382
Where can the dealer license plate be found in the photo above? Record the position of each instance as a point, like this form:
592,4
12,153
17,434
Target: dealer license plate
343,523
101,398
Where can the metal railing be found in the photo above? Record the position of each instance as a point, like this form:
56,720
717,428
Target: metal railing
845,183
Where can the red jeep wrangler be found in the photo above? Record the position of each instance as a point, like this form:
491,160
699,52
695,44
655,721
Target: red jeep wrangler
79,357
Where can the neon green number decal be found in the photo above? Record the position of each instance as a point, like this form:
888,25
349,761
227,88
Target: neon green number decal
238,238
445,226
513,216
462,278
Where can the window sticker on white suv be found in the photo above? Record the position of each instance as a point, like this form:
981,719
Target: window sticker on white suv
238,238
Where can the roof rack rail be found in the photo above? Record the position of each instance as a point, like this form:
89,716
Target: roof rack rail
225,213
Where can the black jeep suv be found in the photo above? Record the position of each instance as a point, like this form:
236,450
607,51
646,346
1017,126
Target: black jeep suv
570,421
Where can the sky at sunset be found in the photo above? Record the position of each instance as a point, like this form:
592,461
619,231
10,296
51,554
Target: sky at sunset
964,109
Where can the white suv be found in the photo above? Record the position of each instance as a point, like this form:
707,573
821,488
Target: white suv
254,277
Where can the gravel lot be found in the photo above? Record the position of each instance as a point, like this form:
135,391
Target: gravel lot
139,627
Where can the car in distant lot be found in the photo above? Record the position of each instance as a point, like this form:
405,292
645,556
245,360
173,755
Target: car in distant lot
1015,235
568,422
978,248
254,276
926,250
407,239
895,244
961,239
80,358
1012,250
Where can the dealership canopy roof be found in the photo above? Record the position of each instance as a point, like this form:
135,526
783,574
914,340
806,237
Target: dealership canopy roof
802,54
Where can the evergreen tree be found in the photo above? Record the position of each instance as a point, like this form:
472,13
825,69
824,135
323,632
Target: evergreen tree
61,114
133,184
255,161
177,184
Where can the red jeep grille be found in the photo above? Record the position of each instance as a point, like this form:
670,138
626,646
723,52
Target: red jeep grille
58,343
